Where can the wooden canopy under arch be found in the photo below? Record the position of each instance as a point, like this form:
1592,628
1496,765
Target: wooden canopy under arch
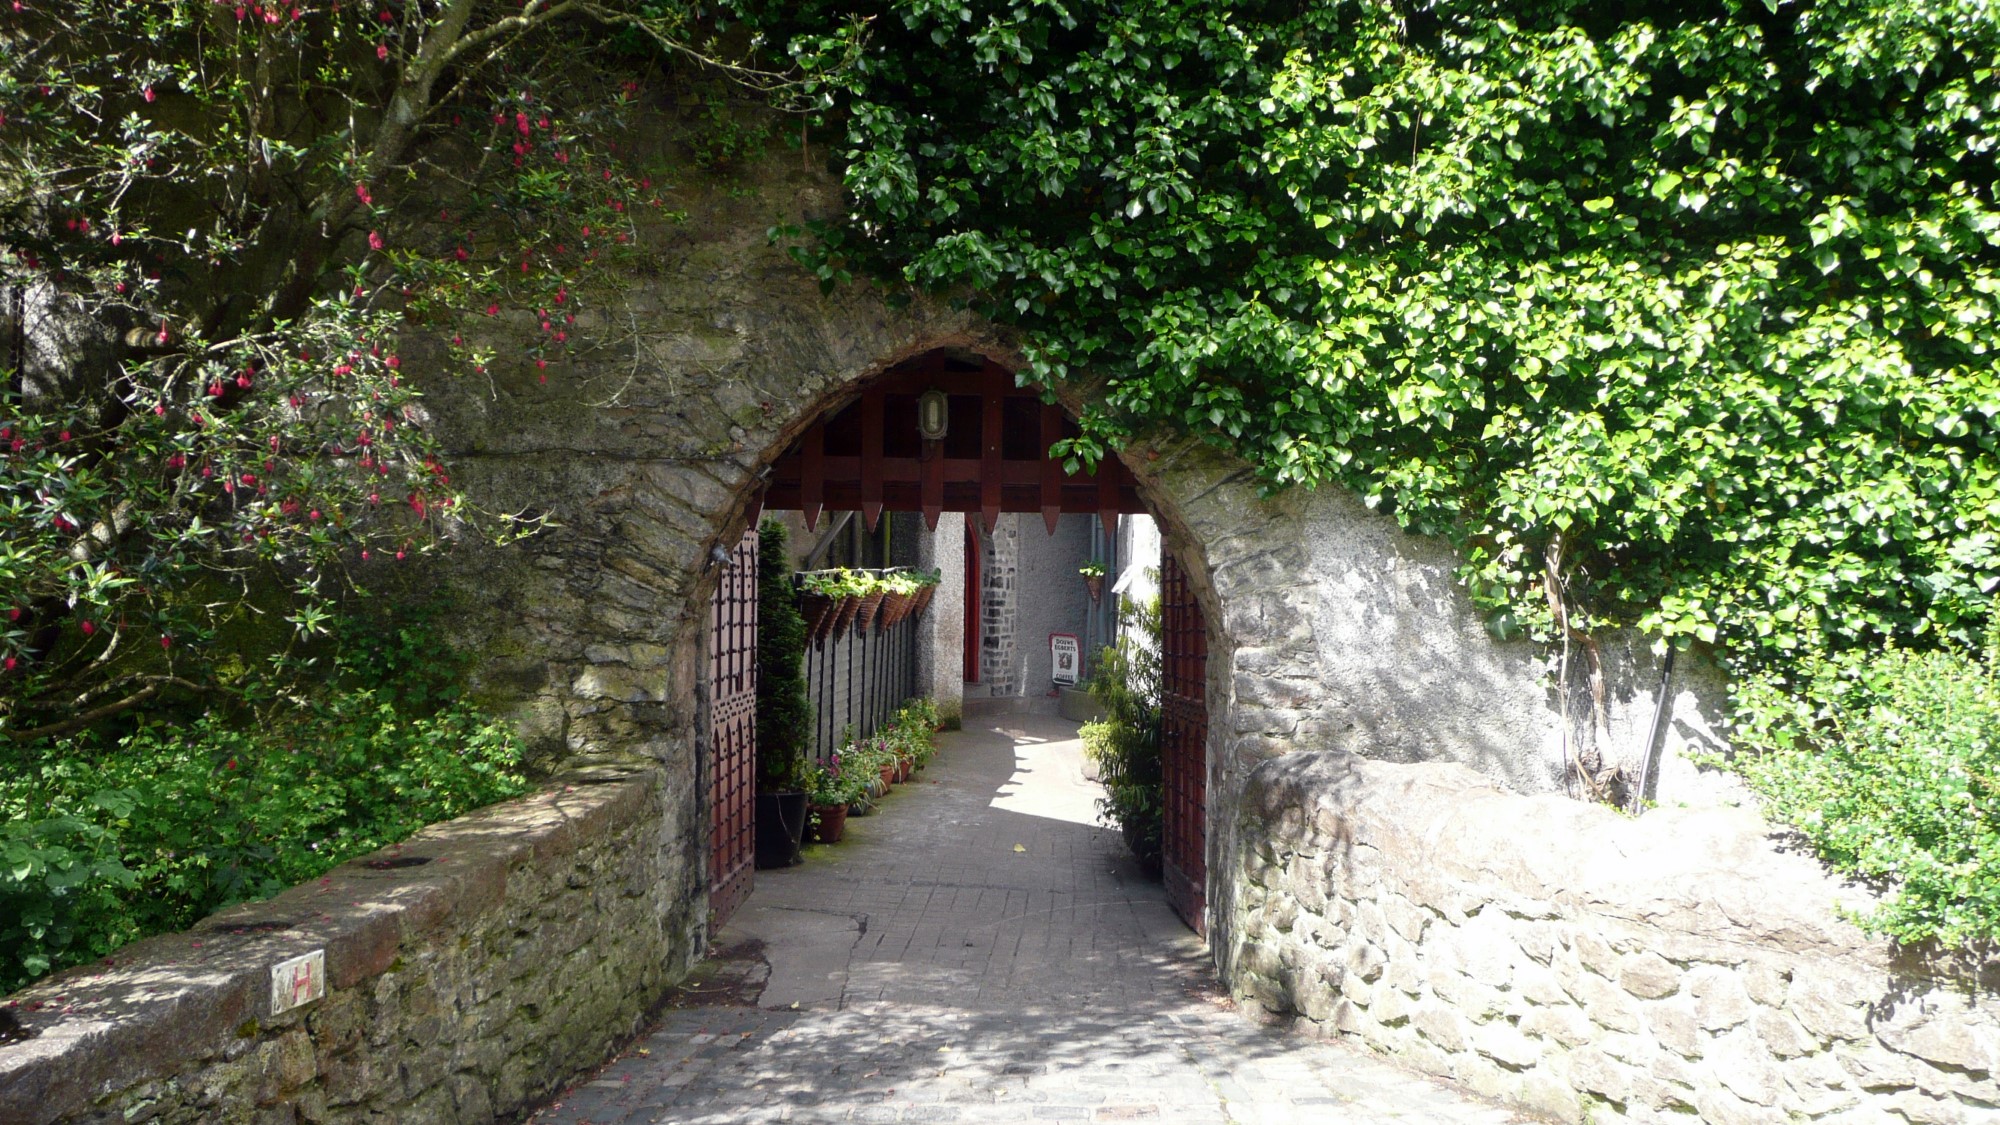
994,457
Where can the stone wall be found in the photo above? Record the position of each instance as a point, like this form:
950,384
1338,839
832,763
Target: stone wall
1683,965
999,589
458,991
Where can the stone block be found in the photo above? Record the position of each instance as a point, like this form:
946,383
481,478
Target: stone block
1782,1035
1565,1025
1648,975
1672,1023
1829,1005
1936,1028
1504,1043
1741,1064
1539,985
1606,1005
1594,953
1721,1000
1441,1026
1365,963
1597,1073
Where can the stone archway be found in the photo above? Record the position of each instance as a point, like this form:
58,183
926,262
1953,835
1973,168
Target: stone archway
985,450
1329,629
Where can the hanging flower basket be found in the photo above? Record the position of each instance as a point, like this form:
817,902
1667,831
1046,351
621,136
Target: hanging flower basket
817,609
922,600
843,615
895,607
864,614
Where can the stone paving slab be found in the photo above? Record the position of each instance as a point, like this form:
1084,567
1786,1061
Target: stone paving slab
962,959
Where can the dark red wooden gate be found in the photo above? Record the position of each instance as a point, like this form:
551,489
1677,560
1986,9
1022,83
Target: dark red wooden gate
732,732
1184,745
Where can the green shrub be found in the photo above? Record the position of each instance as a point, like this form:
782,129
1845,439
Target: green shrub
784,710
1889,763
1125,744
105,838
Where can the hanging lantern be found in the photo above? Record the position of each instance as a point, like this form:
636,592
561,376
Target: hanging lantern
933,415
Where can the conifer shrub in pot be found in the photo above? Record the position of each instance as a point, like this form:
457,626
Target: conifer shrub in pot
784,711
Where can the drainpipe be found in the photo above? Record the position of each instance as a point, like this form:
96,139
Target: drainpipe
1649,760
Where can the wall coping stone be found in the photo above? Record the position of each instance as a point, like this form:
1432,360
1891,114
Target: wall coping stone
1719,874
1422,908
142,1013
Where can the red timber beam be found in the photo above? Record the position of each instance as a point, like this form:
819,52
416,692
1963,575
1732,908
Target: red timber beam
868,456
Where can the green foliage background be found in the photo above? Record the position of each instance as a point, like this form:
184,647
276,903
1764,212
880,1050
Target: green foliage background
1671,316
113,836
1689,309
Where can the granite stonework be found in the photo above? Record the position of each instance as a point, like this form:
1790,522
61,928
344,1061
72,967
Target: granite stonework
458,991
1680,966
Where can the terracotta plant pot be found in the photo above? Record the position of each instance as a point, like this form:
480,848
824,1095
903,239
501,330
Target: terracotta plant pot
829,823
888,774
864,615
906,768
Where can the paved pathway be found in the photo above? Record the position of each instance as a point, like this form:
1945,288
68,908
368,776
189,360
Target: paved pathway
979,951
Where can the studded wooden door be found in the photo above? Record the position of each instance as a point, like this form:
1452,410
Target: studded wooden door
1184,745
732,733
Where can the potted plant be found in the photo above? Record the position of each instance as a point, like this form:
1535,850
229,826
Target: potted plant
835,786
846,586
927,582
784,711
899,596
816,605
1093,579
871,588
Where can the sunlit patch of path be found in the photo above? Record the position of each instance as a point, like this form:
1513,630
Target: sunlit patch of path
981,951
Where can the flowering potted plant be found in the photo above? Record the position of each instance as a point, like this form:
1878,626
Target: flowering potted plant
832,789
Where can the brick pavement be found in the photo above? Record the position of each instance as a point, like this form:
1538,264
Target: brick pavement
962,958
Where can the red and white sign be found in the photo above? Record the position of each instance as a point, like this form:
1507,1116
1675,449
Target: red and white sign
1065,654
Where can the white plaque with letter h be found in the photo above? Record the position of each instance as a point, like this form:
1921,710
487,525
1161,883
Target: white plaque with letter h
298,981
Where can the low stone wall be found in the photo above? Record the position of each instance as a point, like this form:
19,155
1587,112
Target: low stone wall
1590,966
458,990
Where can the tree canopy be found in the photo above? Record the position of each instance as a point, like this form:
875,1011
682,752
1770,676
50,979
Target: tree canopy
222,225
1663,315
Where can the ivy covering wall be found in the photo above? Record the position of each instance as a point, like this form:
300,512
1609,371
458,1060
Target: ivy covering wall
1663,315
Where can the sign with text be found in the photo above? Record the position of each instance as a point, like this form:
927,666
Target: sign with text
1065,654
298,981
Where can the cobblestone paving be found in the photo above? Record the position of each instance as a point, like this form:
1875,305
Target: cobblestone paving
961,959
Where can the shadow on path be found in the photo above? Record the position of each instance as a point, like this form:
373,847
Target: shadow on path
974,953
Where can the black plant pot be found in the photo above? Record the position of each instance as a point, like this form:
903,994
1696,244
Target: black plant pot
781,825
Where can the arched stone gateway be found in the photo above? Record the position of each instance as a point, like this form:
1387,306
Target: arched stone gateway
988,451
1328,629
